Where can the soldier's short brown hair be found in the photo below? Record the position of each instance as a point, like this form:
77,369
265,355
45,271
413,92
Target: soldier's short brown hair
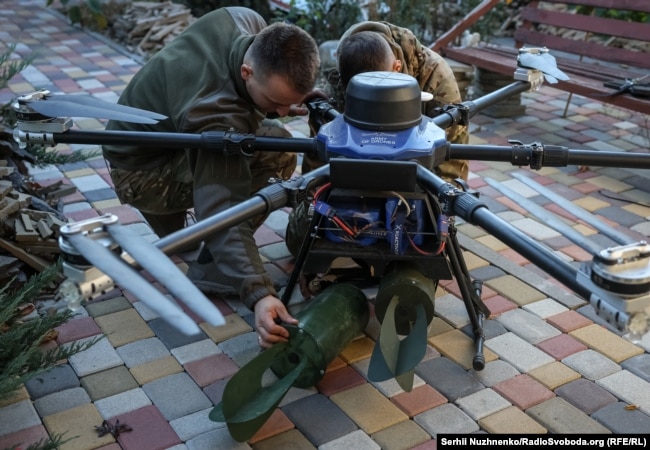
287,50
365,51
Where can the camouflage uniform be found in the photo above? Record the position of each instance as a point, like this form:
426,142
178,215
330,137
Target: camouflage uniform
433,74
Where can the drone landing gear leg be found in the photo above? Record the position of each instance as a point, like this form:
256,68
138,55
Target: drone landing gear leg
300,259
471,293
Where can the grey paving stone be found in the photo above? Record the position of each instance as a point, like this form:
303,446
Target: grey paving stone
452,309
585,395
491,328
71,208
122,403
319,419
171,337
495,372
620,420
195,351
60,401
591,364
143,351
242,348
545,308
195,424
620,216
216,439
89,183
527,326
446,419
356,440
639,365
560,417
99,195
486,273
100,356
628,387
103,307
176,395
448,378
108,382
57,379
482,403
18,416
521,354
69,167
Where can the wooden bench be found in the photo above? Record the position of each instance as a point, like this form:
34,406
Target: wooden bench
582,45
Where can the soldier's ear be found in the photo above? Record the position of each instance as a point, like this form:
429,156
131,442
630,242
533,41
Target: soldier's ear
397,66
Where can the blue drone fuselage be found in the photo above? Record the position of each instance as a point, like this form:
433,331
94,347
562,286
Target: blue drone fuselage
339,138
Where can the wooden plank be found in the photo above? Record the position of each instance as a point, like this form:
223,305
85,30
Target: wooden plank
597,25
33,261
626,5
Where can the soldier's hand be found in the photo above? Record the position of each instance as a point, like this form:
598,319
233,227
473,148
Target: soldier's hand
269,311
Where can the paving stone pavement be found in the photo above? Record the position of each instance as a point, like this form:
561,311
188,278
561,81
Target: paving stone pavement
551,367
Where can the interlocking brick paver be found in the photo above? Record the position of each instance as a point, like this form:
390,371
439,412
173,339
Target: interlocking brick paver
80,422
448,378
545,308
142,351
123,327
606,342
459,348
402,436
98,357
446,419
568,321
319,419
523,391
108,382
511,420
521,354
158,368
418,400
515,290
639,366
628,387
591,364
554,374
368,408
356,439
452,309
58,378
122,403
561,346
560,417
176,395
149,429
482,403
527,326
621,419
585,395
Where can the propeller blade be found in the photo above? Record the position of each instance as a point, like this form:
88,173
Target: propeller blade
127,277
94,101
54,108
152,259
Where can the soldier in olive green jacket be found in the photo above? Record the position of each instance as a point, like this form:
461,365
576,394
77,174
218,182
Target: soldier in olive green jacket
227,71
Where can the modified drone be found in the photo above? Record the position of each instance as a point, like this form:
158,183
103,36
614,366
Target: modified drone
375,201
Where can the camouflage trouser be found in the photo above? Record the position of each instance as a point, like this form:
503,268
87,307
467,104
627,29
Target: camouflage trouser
167,190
